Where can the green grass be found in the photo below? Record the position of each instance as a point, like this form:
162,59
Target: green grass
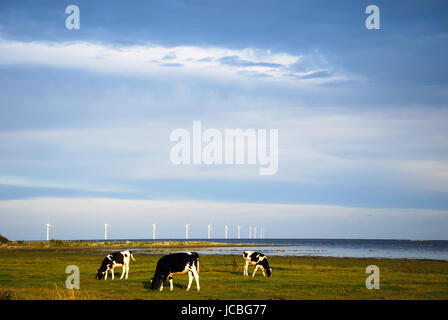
40,274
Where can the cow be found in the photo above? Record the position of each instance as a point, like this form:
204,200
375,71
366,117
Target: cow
258,260
113,260
176,263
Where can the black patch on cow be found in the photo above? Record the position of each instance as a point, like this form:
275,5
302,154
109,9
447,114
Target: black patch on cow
108,262
172,263
255,256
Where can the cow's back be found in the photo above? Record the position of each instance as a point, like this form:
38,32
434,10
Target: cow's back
176,262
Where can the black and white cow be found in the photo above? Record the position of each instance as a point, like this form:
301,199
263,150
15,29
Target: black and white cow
176,263
258,260
113,260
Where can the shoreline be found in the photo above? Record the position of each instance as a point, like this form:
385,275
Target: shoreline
117,244
160,252
204,247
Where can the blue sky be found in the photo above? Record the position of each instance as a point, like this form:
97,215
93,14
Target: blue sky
85,118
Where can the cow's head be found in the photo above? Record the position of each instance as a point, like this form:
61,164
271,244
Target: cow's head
105,266
99,274
155,282
265,265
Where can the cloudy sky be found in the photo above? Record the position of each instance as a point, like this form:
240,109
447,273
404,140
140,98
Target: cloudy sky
86,116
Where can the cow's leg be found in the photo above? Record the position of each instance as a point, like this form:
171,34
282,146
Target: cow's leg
113,273
163,281
256,268
123,271
246,269
262,269
190,279
171,283
105,278
127,270
196,277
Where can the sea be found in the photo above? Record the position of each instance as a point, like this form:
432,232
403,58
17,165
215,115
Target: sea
355,248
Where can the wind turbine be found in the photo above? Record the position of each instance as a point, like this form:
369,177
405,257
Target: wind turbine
153,231
226,228
186,231
209,228
238,228
48,231
105,231
255,232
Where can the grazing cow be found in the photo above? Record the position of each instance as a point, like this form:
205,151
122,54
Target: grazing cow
176,263
113,260
258,260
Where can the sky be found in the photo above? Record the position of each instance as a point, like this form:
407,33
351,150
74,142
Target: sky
86,117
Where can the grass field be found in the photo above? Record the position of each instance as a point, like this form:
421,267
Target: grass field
40,274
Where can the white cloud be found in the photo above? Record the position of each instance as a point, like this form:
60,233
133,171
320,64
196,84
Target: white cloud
316,147
138,59
19,181
427,175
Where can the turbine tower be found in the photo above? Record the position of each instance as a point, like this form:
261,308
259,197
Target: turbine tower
226,228
48,231
186,231
209,231
238,228
153,231
255,232
105,231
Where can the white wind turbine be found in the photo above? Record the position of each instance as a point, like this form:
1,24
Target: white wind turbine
209,228
153,231
226,229
105,231
238,229
186,231
48,231
255,232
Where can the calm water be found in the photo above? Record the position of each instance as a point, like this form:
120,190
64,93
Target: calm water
410,249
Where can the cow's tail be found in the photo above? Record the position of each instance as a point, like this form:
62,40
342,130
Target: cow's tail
198,264
132,256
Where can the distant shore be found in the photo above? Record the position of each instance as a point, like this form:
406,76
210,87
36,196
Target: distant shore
114,244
